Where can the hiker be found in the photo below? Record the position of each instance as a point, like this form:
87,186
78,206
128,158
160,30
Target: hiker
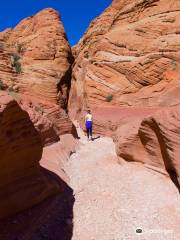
89,123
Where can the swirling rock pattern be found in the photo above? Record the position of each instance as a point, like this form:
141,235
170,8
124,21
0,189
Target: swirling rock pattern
35,65
129,56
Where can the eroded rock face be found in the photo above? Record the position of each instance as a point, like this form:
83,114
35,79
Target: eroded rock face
22,183
127,71
153,141
45,56
55,157
129,56
35,64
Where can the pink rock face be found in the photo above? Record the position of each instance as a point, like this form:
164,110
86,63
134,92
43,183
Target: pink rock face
153,141
129,56
45,56
22,183
107,118
56,156
35,64
49,134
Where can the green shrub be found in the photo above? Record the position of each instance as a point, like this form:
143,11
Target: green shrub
16,64
16,58
109,98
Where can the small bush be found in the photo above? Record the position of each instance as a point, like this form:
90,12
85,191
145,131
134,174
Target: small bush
16,58
17,66
109,98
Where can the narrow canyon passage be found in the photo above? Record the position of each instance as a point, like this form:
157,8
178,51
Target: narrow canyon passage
125,70
112,200
104,199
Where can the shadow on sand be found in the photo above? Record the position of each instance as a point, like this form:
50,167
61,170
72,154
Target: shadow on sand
94,138
174,178
52,219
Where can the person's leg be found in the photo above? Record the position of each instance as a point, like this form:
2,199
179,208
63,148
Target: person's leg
90,130
87,130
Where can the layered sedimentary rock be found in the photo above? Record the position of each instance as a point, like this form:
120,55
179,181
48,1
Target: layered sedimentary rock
153,141
129,56
22,183
35,65
127,71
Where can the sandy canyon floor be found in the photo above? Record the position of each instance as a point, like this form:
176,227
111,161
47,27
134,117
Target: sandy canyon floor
105,199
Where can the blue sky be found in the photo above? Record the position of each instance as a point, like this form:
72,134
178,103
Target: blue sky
76,14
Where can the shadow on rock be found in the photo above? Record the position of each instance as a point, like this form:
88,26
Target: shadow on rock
52,219
174,178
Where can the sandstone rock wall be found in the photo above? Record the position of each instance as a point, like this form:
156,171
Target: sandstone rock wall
22,183
127,71
153,141
129,56
35,67
45,56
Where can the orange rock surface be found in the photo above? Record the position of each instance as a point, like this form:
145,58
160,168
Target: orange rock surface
129,56
127,71
153,141
22,182
35,76
35,65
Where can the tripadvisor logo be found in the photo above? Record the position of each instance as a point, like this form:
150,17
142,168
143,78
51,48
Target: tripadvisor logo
139,231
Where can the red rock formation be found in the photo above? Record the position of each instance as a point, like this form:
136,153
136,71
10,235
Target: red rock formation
22,184
45,55
153,141
55,156
41,123
126,69
129,56
36,66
